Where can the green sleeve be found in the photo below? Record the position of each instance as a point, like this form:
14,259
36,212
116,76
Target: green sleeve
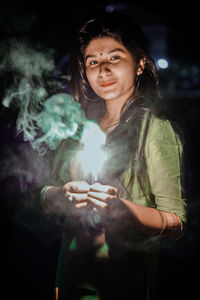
164,155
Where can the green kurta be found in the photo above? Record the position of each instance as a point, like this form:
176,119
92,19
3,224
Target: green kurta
135,256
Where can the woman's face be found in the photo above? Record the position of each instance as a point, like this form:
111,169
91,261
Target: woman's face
110,69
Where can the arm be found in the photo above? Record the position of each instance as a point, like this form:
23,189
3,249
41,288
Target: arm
164,157
163,153
145,219
151,221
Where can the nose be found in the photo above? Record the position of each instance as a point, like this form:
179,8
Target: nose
104,69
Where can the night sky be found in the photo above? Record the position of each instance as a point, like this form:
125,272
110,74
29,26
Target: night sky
31,238
53,24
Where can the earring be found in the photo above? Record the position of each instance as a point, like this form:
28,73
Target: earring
139,71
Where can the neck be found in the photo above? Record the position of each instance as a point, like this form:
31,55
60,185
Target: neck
112,114
113,110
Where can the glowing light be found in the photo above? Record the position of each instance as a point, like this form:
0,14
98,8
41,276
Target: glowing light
93,156
110,8
162,63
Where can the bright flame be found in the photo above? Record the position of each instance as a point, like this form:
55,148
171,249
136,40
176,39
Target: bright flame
93,156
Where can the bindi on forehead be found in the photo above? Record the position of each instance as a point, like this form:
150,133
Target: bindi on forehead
92,50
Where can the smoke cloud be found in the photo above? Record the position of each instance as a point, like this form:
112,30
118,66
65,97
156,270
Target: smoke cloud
45,118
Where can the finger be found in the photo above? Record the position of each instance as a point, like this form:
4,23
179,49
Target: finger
76,186
81,204
98,203
76,196
98,187
98,196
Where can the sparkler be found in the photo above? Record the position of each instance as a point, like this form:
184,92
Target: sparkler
92,158
93,155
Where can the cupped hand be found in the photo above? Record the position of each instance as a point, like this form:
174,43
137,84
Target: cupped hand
82,194
77,191
100,194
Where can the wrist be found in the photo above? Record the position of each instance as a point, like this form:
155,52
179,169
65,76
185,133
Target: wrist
172,225
51,197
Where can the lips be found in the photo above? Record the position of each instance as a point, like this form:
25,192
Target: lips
107,83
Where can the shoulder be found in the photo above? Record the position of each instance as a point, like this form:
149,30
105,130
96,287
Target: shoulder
158,124
163,137
161,129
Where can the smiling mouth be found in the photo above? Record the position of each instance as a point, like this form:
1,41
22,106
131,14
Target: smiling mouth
107,83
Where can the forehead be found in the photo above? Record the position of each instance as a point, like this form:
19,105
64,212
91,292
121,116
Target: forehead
103,45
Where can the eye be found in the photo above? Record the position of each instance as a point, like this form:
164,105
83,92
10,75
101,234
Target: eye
115,58
93,62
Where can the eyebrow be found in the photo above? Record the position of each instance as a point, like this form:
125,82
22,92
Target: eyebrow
110,52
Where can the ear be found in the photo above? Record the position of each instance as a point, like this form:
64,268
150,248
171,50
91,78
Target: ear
141,65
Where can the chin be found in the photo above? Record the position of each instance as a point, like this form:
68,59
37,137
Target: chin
109,96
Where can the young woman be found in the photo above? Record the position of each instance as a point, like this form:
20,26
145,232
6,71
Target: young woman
139,196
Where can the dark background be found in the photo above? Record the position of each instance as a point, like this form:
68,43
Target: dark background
31,239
